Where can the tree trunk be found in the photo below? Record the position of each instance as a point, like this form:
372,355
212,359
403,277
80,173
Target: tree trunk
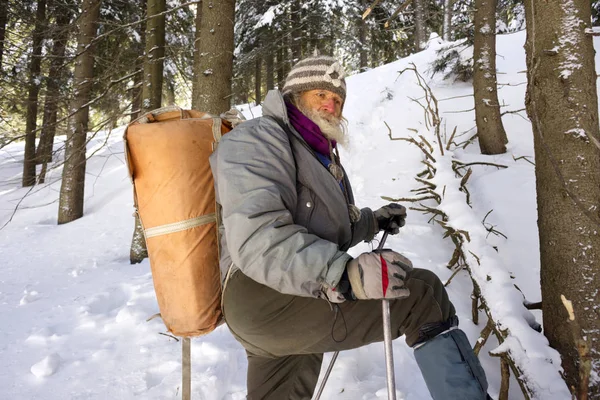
73,179
152,98
196,95
257,80
170,91
138,251
215,69
490,131
56,80
155,56
374,50
136,91
3,22
447,34
34,84
269,69
562,104
420,28
138,79
296,31
362,39
281,63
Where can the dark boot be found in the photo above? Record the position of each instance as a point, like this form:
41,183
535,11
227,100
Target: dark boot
450,368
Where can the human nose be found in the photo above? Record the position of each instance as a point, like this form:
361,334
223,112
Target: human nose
328,105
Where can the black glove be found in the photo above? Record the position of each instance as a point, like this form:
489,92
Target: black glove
391,218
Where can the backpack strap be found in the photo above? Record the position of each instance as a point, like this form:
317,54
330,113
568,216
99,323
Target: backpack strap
216,129
180,226
160,114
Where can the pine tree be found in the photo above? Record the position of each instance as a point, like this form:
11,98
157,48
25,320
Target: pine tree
154,56
420,7
61,13
3,21
73,178
562,104
35,65
490,131
447,35
138,48
214,70
151,97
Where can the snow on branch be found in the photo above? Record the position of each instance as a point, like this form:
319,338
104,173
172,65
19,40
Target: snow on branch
523,349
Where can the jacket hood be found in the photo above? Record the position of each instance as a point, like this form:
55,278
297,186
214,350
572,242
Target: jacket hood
274,106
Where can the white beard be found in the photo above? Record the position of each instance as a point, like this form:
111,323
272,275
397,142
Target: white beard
332,128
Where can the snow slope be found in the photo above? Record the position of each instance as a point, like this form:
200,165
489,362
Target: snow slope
73,311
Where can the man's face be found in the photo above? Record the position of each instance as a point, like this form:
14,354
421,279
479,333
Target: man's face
324,108
327,104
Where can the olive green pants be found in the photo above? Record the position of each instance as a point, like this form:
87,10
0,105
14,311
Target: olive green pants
285,336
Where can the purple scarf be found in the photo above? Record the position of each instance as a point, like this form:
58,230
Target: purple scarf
309,130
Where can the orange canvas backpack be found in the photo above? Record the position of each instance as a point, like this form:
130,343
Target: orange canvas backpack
167,153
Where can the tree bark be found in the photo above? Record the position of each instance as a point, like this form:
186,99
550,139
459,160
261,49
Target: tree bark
420,28
170,91
215,69
362,39
490,131
296,31
138,79
447,34
73,179
258,80
562,104
138,251
374,49
56,80
34,84
269,68
151,98
3,22
155,56
281,63
196,95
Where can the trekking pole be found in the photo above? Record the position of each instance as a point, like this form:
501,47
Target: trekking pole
387,337
186,369
335,355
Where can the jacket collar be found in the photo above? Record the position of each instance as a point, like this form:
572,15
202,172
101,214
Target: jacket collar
274,107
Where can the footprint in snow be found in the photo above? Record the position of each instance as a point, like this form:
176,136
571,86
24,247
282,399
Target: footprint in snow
28,297
155,376
106,302
46,367
42,337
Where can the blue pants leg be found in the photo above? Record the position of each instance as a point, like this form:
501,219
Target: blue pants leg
450,368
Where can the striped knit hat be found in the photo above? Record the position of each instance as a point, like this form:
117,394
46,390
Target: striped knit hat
317,72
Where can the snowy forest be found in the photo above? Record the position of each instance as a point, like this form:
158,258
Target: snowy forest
480,116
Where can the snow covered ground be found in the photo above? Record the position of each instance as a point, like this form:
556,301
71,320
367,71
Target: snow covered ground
73,310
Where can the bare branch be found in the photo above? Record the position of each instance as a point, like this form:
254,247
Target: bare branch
396,12
483,336
370,9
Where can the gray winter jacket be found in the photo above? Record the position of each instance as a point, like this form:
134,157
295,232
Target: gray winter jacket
285,218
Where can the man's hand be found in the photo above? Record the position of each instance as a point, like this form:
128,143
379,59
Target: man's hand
379,275
391,218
